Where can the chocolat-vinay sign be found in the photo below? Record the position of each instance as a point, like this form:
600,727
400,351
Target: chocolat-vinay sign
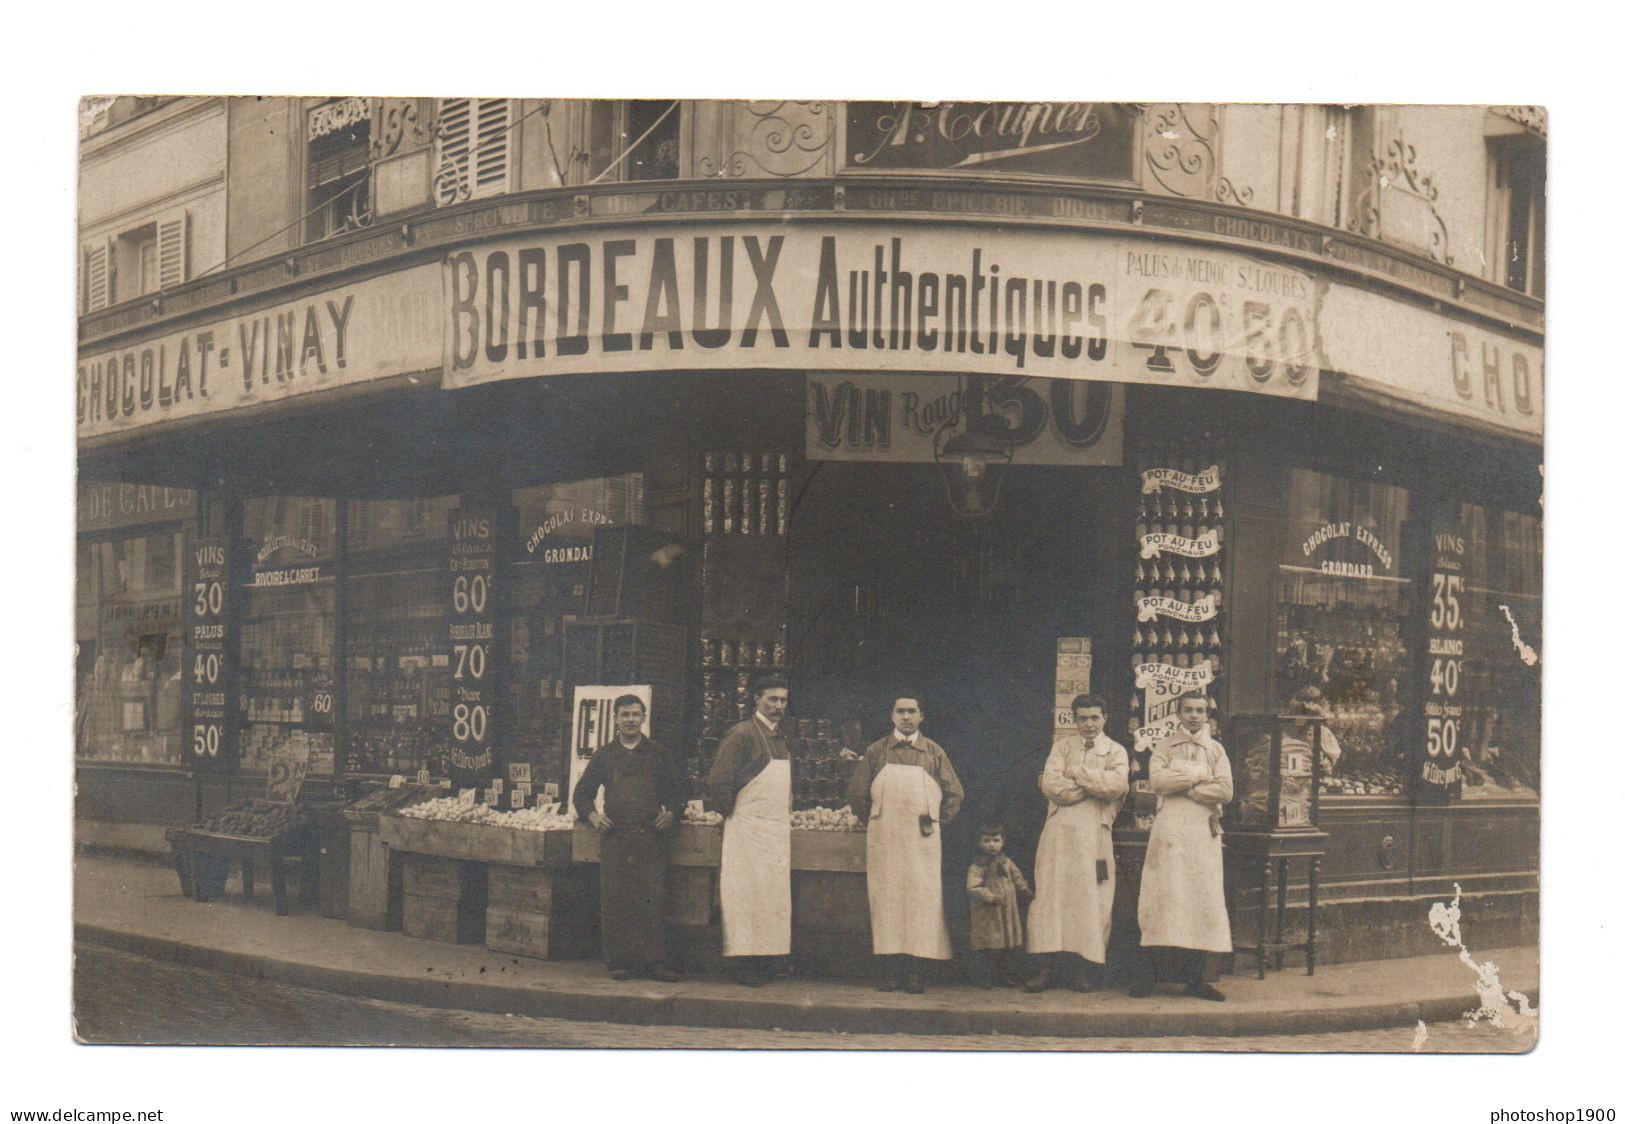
338,337
872,297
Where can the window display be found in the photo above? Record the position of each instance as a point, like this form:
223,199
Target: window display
129,651
1501,608
398,676
1340,628
551,565
289,630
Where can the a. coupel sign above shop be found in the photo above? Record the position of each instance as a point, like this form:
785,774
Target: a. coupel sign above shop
876,297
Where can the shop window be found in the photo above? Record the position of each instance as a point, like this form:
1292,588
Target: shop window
397,671
289,631
1518,212
338,168
635,140
553,557
1341,622
128,650
1500,730
473,142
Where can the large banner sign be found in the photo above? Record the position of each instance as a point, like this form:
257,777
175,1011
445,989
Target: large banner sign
872,297
372,329
1432,360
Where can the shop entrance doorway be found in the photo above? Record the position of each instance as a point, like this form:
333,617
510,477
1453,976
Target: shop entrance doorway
893,589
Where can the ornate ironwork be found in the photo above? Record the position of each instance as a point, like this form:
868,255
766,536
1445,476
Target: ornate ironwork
1179,148
1531,117
787,138
336,116
1396,169
400,127
450,174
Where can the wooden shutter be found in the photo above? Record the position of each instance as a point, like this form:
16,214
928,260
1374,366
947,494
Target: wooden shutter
173,239
490,163
474,146
98,277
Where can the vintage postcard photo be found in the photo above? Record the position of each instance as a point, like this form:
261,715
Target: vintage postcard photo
809,575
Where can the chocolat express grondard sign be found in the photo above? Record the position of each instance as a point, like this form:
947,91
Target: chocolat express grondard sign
1078,140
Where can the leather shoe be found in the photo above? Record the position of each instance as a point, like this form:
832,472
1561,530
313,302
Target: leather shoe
620,973
889,984
664,974
1141,989
748,979
1082,986
1037,984
912,985
1204,991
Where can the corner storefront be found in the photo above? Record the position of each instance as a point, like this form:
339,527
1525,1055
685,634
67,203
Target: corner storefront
1000,445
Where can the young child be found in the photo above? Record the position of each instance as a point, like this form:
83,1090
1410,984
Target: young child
993,883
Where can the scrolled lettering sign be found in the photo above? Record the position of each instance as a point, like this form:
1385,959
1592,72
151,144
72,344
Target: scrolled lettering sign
1150,608
1203,546
1155,479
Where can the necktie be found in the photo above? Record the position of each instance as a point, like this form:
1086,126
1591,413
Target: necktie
1089,744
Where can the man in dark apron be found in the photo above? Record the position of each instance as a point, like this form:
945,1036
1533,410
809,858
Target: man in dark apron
643,797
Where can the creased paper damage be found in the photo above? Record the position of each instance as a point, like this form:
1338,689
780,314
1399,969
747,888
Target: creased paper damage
1495,1004
1525,652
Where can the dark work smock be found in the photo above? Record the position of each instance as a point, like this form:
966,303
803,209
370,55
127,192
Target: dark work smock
637,784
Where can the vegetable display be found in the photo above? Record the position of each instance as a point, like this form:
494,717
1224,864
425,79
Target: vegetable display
453,810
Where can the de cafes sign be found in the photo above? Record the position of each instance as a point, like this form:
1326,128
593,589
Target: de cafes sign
873,297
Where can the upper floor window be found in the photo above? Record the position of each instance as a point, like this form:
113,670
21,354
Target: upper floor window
474,148
144,259
634,140
338,168
1518,212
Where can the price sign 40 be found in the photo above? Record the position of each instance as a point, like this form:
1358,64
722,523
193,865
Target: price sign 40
1207,329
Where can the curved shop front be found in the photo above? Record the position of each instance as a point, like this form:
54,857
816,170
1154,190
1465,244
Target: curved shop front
979,454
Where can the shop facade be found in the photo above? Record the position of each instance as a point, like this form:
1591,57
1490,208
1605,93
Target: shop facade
390,495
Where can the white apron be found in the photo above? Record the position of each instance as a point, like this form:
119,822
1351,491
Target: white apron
1182,888
1071,911
755,877
905,867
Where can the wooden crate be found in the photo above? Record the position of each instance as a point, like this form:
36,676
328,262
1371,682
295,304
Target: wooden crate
830,902
334,834
374,882
548,914
834,851
443,899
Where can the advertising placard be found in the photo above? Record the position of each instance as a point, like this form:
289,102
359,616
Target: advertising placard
210,680
1443,668
908,419
472,624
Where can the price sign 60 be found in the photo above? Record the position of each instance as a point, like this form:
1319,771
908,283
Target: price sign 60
469,594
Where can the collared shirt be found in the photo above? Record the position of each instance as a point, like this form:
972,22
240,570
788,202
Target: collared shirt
771,725
743,753
901,738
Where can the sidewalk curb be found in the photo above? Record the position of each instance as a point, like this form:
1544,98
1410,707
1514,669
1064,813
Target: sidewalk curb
655,1009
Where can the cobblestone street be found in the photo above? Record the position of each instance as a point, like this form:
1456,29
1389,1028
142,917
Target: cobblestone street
123,998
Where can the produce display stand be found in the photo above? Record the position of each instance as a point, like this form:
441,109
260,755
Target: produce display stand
374,881
203,858
514,890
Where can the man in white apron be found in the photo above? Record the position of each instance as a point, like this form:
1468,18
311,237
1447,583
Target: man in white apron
907,790
1070,921
1182,889
749,784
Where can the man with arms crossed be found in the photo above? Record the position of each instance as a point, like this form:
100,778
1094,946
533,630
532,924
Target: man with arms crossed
1070,920
1182,889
